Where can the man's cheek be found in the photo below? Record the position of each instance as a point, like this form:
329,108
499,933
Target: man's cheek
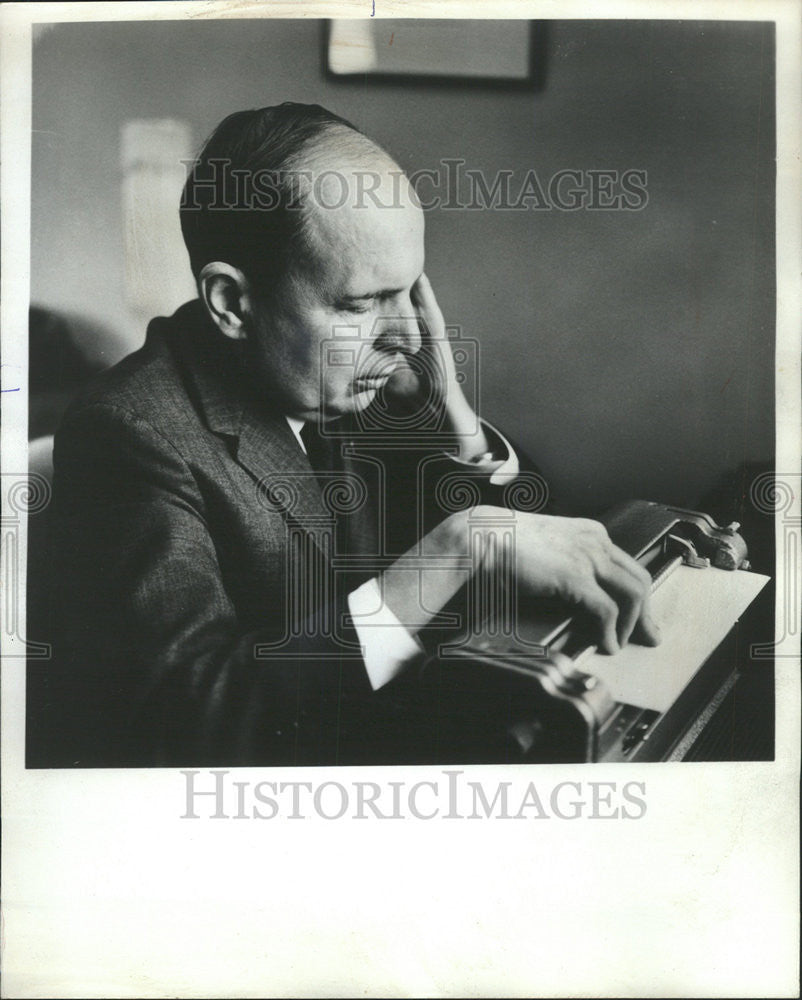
336,382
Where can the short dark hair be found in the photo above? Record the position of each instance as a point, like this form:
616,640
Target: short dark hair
239,203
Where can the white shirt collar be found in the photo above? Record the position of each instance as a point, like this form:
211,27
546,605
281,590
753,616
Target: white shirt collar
296,426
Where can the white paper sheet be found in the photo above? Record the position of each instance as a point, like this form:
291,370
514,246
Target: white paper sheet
695,609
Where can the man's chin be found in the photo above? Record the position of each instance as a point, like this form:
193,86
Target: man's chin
354,401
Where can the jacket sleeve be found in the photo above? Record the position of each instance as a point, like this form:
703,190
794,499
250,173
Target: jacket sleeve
445,485
151,665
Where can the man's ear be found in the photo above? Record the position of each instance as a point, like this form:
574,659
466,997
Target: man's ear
225,293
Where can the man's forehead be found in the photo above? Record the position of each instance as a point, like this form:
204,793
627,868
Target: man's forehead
362,219
375,183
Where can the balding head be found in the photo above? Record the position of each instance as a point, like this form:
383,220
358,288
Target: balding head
352,196
265,176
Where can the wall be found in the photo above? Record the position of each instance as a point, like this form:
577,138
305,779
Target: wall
630,352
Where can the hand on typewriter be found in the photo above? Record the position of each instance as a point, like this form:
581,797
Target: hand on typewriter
568,558
574,560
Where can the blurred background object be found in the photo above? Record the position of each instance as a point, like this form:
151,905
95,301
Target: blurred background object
154,155
484,50
62,355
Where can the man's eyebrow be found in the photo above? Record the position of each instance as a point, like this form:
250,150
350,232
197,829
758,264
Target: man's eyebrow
378,294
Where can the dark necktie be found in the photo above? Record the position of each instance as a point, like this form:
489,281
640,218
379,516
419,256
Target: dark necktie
325,456
355,530
322,450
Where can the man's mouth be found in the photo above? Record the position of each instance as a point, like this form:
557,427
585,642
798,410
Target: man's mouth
376,378
371,383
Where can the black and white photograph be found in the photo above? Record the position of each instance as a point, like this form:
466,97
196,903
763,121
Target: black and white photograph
283,530
398,413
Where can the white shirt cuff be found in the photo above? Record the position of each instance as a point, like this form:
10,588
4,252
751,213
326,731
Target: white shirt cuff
387,645
504,468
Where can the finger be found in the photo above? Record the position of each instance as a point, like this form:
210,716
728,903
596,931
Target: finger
632,566
620,576
646,630
629,584
435,357
635,620
604,610
625,590
423,298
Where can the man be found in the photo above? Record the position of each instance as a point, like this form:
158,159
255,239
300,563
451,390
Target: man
218,598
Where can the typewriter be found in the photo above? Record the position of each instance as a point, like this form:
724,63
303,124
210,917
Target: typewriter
540,691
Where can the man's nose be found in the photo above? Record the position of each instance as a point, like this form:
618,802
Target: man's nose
399,333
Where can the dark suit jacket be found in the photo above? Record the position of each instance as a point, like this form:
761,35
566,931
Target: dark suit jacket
198,614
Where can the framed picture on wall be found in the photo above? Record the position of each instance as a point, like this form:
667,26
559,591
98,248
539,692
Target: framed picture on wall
504,52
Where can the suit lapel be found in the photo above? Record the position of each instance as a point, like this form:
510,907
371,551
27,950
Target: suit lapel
268,449
264,443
